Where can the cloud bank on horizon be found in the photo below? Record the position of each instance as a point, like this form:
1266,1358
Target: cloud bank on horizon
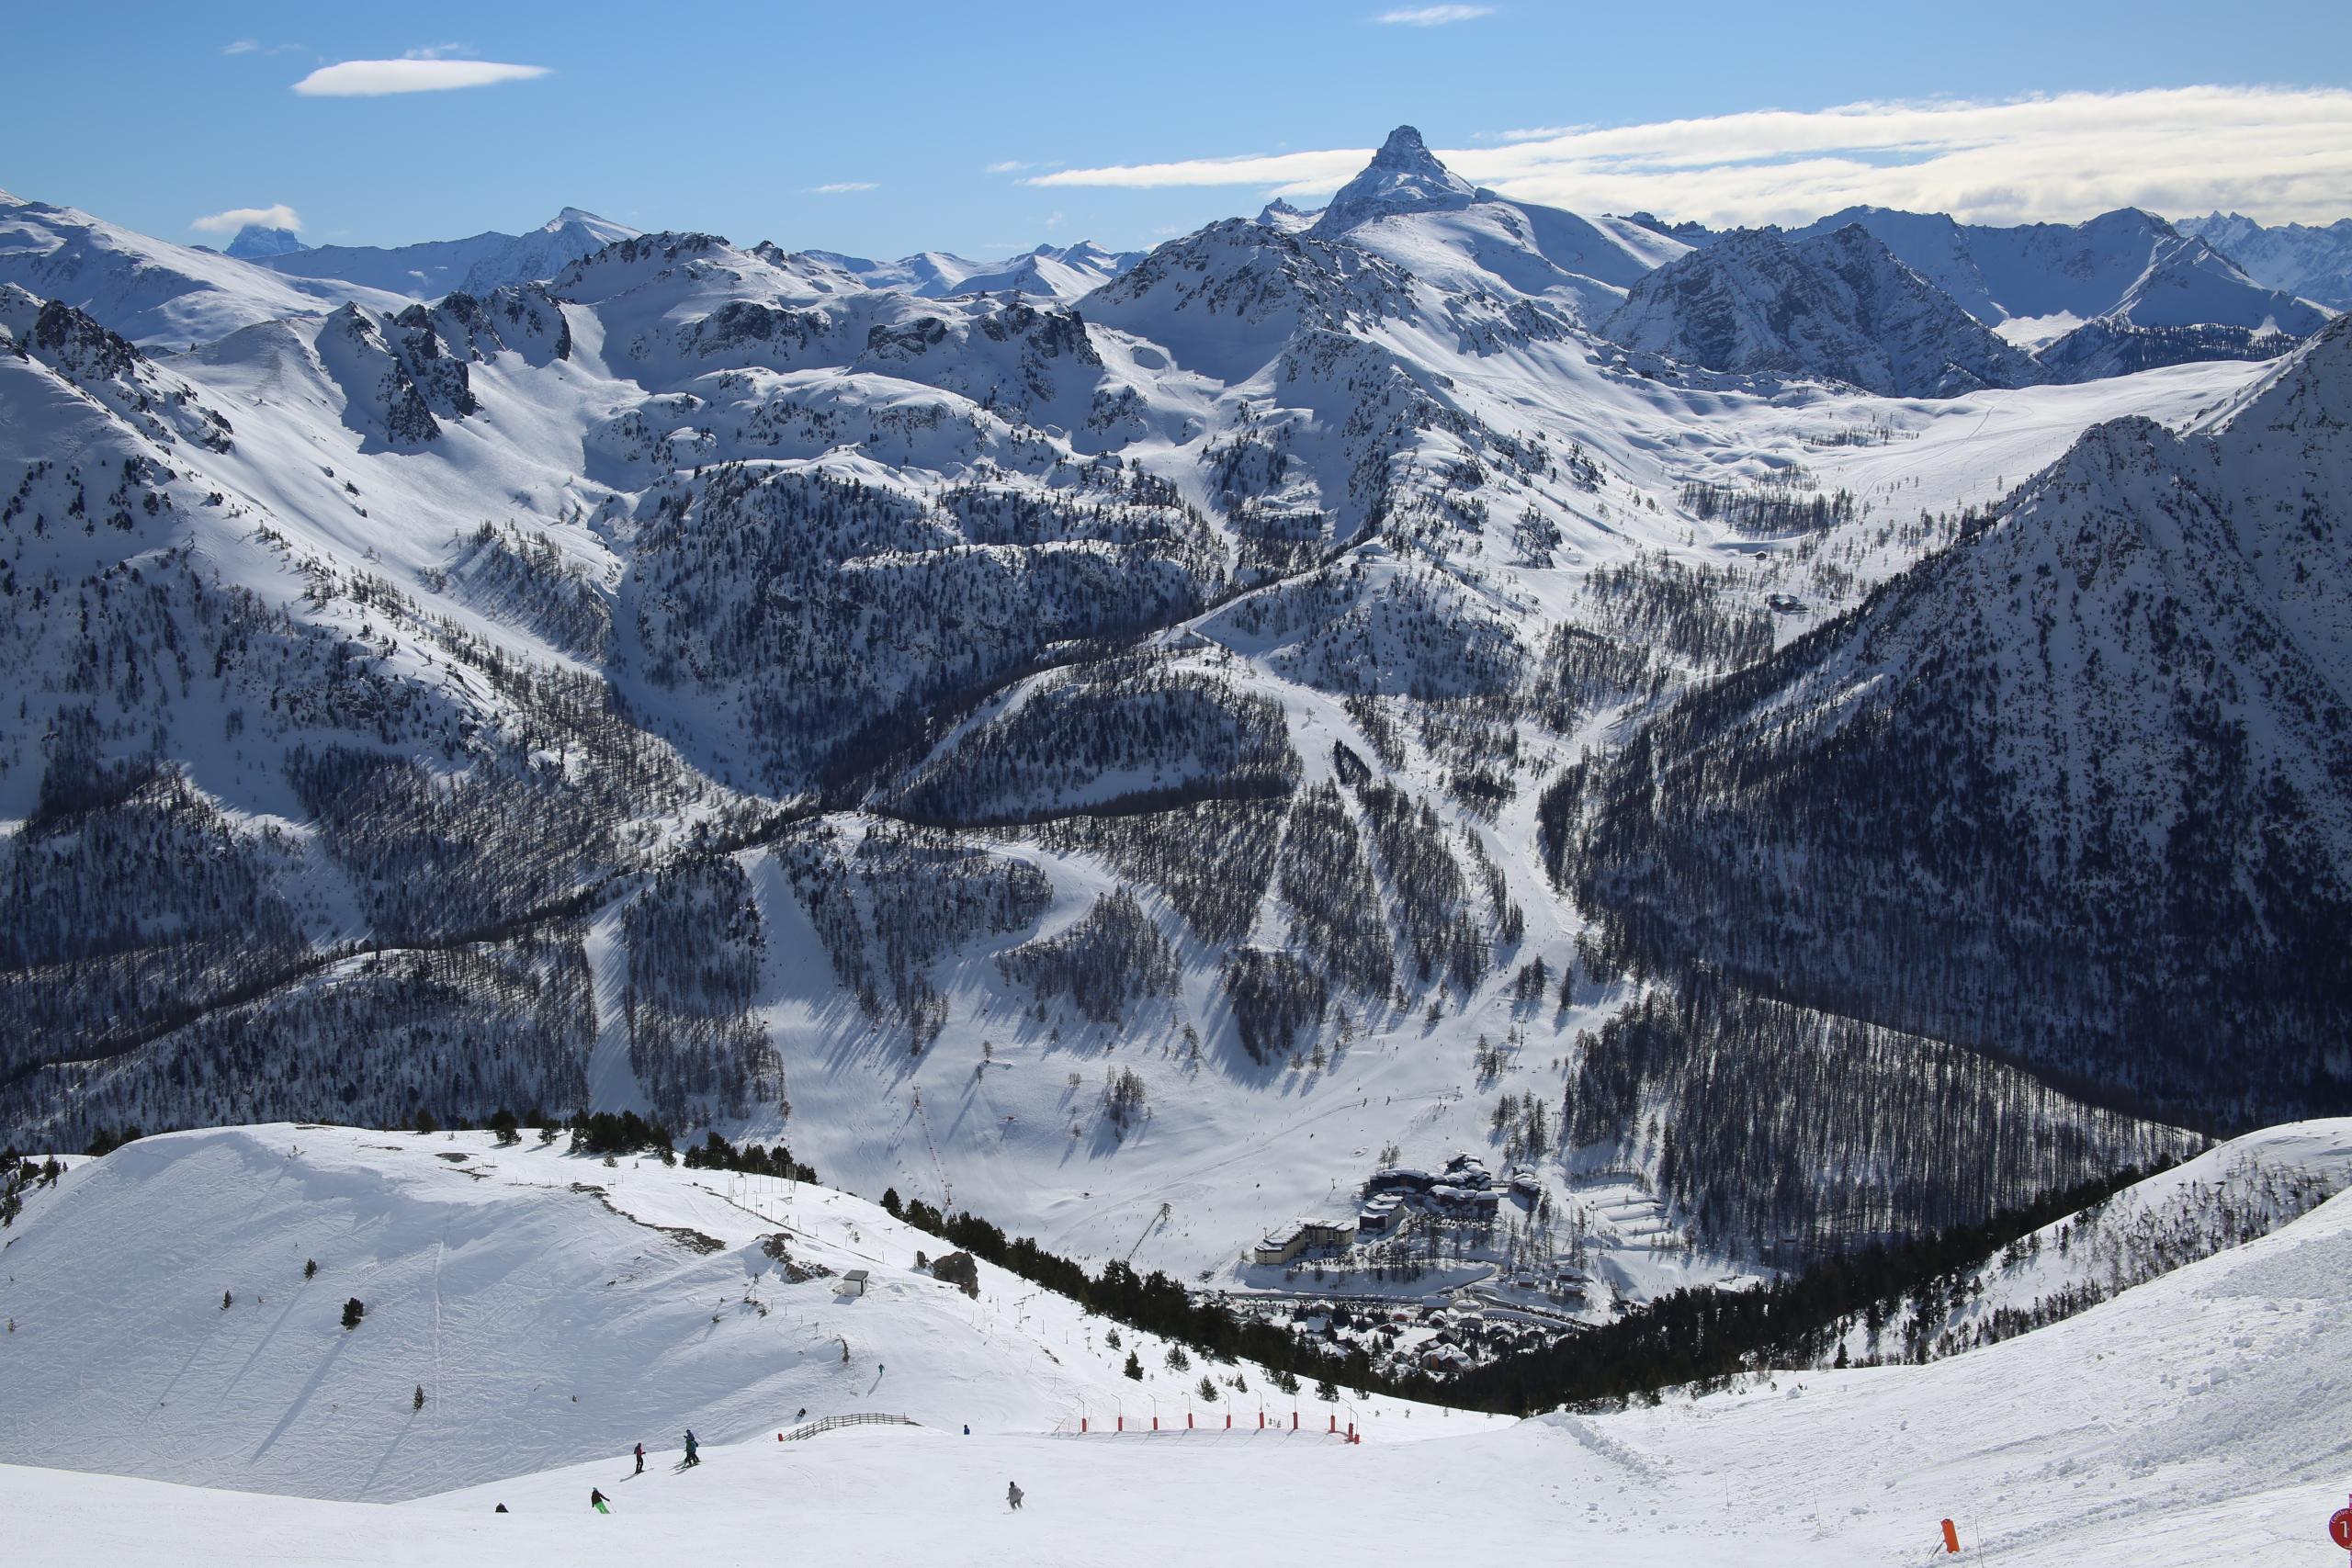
2277,154
277,216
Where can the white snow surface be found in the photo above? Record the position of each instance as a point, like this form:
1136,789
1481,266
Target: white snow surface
2193,1419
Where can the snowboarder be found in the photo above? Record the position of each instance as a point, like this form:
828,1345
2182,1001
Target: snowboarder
967,1428
640,1459
1012,1494
597,1501
691,1458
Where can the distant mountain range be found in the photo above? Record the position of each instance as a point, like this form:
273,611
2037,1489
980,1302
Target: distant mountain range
1437,671
2296,258
1834,304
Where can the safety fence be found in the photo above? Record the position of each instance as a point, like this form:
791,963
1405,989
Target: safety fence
833,1423
1088,1423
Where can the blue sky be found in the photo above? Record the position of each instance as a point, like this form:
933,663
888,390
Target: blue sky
934,125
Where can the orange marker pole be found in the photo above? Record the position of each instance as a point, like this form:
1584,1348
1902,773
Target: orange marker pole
1951,1538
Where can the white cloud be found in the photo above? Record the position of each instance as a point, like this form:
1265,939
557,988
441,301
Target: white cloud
277,217
2277,154
1432,15
1010,166
843,187
243,46
374,78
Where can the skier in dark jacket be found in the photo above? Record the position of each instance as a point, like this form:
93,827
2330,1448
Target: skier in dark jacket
691,1456
1012,1494
597,1501
640,1459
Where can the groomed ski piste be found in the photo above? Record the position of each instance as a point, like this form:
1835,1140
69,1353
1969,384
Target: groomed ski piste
554,1309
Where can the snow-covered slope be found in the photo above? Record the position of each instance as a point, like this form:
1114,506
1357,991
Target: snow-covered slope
2127,264
1838,305
2309,260
552,1307
2186,1421
157,294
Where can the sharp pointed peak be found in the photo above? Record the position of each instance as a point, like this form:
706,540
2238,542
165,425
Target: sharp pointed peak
1403,176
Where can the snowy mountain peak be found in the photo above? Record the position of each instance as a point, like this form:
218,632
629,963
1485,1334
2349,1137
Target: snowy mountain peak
253,240
579,219
1403,176
1280,215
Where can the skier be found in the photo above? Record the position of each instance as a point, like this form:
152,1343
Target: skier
1012,1494
597,1501
500,1509
640,1459
691,1458
967,1428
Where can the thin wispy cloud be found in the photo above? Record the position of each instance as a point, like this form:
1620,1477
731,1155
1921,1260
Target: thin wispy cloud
243,46
278,215
843,187
1431,16
1009,167
420,73
2277,154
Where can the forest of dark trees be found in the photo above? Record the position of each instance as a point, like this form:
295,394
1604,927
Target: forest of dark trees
1787,1134
1878,859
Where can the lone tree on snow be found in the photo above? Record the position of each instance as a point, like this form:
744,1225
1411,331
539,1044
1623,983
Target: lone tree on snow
420,1398
353,1310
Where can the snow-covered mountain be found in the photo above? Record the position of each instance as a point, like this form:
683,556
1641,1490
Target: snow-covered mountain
2089,768
707,684
254,242
157,294
1055,272
2311,261
2037,280
1837,305
480,265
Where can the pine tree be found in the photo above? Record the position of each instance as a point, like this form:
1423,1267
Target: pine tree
353,1310
1134,1368
420,1398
